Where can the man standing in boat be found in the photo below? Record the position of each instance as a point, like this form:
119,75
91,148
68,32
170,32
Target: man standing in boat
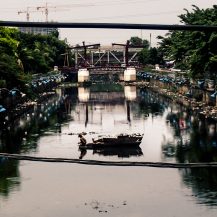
83,141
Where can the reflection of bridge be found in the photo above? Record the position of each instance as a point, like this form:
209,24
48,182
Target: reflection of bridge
107,98
128,93
104,100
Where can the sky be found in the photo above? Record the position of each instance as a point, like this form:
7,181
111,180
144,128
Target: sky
105,11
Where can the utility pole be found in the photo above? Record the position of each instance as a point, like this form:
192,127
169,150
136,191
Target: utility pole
150,41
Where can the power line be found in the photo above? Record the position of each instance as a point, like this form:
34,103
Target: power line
121,2
131,15
109,26
110,163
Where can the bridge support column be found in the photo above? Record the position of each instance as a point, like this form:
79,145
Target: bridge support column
130,74
83,75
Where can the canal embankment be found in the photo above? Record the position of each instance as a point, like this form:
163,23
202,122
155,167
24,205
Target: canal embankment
197,98
14,103
194,97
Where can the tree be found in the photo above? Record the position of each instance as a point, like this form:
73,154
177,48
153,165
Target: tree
150,56
9,68
25,54
193,50
136,41
144,56
155,56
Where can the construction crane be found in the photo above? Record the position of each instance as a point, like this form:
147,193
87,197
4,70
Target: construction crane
27,12
47,8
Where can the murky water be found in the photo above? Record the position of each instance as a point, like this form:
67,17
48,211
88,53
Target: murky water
171,134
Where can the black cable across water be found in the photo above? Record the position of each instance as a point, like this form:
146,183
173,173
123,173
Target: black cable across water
109,163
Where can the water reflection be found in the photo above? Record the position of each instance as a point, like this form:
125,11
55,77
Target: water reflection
9,176
151,103
195,137
203,183
24,132
120,152
101,98
172,133
192,138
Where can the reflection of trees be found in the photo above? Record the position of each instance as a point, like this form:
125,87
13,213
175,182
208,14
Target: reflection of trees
67,102
180,121
9,176
25,139
203,183
201,145
169,149
151,102
48,116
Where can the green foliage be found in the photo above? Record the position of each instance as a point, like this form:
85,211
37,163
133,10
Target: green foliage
39,53
147,55
193,50
150,56
9,69
25,54
136,41
144,56
8,40
2,83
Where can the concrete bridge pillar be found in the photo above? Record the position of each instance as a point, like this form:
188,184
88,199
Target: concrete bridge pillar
83,75
130,74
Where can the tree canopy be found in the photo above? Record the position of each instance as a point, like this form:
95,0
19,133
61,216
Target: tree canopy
136,41
26,54
193,50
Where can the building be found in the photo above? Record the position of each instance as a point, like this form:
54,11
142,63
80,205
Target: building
38,30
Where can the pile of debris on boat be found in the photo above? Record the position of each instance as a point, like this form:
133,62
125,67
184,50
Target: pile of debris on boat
121,140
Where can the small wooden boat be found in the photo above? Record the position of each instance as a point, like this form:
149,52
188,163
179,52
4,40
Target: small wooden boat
122,140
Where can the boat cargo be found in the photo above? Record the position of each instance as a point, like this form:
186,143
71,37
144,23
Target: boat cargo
121,140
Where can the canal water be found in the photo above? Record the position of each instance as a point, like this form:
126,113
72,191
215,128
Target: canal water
171,133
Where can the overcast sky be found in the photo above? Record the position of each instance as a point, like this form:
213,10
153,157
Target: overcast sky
111,11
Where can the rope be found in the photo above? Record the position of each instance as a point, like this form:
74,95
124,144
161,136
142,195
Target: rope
110,163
